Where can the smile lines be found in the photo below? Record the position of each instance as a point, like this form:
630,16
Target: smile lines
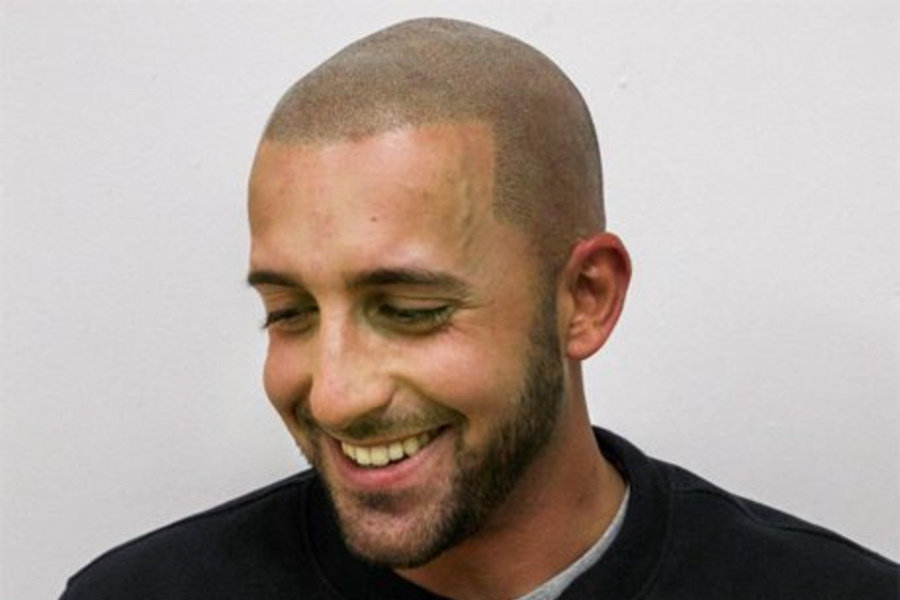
384,454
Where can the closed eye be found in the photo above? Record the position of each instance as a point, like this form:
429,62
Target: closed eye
414,320
292,319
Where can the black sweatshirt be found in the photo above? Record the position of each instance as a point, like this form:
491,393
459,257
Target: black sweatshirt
683,538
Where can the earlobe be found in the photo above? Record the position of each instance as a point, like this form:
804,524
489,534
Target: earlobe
597,276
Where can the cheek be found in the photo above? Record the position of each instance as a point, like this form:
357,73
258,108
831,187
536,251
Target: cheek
481,381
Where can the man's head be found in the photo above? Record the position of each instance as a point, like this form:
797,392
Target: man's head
547,177
426,224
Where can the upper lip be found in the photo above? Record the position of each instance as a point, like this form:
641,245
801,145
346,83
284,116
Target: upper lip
385,441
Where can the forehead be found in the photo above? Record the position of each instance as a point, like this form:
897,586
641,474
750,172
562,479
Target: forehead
424,158
389,192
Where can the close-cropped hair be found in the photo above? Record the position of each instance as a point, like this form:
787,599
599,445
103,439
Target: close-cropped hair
547,177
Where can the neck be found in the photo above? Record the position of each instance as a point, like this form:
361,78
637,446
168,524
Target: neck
561,507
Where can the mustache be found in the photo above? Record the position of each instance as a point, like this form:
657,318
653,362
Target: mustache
379,424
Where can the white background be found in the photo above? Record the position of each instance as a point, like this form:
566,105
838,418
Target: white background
751,158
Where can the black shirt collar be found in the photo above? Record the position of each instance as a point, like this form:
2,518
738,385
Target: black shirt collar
623,571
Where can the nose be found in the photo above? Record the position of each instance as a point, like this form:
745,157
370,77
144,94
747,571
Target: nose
349,379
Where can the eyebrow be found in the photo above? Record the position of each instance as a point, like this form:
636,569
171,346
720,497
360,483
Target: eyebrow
375,278
409,276
263,277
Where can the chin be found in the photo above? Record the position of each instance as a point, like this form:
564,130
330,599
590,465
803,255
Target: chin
377,529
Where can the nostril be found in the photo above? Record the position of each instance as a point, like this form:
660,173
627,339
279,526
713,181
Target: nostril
336,407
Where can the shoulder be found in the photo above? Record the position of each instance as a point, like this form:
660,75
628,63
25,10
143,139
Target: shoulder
733,542
248,545
685,538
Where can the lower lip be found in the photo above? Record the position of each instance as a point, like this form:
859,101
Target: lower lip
402,474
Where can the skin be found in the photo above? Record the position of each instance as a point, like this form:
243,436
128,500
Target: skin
332,224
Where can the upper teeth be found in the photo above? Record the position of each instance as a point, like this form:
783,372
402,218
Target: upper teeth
380,455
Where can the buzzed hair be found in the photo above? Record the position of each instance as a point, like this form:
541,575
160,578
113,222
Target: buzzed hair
426,71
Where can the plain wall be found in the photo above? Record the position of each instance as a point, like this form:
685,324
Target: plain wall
751,161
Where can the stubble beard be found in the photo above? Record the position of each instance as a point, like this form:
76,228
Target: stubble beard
483,479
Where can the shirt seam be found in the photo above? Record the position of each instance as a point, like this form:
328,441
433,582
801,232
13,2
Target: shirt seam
800,529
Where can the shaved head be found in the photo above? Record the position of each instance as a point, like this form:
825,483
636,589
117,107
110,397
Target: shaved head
426,221
547,178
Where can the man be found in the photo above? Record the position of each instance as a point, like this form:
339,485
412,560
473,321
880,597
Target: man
428,240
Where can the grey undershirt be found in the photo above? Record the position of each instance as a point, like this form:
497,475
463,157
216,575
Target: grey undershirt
554,587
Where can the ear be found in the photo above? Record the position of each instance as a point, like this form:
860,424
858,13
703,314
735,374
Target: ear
596,279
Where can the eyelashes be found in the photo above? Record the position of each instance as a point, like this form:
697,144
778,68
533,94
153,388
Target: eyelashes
417,319
281,317
402,319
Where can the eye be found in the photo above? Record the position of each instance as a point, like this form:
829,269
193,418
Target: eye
414,319
291,320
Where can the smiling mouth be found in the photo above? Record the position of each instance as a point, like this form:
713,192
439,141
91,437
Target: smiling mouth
380,455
